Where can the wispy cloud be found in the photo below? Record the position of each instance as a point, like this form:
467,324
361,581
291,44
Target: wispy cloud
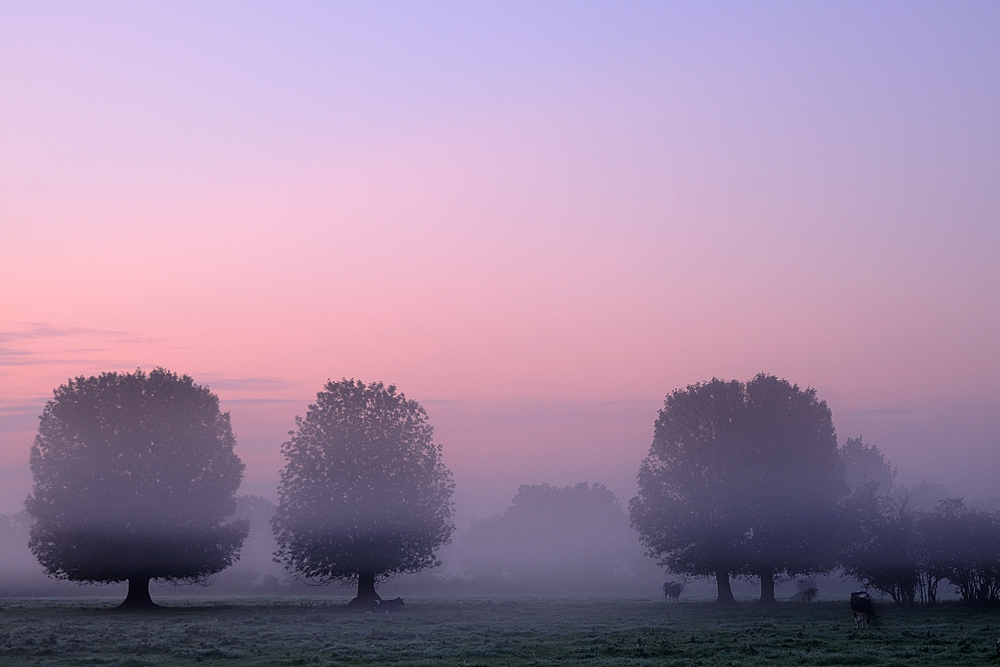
21,331
39,344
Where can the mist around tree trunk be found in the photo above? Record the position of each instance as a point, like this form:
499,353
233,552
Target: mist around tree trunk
741,478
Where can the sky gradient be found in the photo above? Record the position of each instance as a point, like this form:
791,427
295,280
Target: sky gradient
535,220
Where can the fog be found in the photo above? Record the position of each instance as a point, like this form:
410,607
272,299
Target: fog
561,548
550,541
494,447
499,548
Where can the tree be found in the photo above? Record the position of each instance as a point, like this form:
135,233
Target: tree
865,463
741,479
134,475
554,539
796,480
885,550
962,545
692,509
364,493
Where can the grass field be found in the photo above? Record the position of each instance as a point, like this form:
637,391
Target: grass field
525,631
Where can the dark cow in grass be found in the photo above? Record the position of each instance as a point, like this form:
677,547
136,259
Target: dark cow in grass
389,606
863,608
672,591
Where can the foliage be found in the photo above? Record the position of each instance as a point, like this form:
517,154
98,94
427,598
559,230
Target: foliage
364,492
692,507
797,480
962,545
575,534
134,475
882,544
741,478
864,463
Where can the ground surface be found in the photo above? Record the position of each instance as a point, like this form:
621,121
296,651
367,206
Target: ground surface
526,631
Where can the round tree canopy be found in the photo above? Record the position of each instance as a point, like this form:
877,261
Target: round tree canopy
134,476
364,493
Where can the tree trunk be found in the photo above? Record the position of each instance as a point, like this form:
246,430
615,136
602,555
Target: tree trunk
138,595
725,590
366,592
766,586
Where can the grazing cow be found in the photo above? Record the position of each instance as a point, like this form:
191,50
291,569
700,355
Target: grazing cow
805,596
807,591
672,591
863,608
389,606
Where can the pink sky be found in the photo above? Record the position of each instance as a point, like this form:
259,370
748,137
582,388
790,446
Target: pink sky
536,221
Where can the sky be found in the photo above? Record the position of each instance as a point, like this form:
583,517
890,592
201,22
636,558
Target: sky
537,219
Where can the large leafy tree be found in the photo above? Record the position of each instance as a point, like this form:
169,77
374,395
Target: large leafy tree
364,493
134,476
741,478
797,479
692,510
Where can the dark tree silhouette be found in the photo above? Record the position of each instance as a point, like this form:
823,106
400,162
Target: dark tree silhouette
797,479
364,493
693,509
884,549
962,545
865,463
741,479
134,475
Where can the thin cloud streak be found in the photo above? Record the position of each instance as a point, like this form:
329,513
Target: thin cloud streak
38,330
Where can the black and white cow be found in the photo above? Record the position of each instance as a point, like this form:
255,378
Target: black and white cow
672,591
863,608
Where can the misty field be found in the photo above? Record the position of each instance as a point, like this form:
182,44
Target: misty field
525,631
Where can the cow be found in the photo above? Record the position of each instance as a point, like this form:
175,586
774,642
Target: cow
863,608
807,591
389,606
806,595
672,591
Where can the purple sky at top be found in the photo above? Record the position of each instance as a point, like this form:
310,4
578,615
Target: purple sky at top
537,219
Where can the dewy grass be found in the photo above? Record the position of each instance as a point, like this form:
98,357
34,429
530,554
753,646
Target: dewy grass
511,631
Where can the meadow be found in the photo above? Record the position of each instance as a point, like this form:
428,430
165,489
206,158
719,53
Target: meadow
501,631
